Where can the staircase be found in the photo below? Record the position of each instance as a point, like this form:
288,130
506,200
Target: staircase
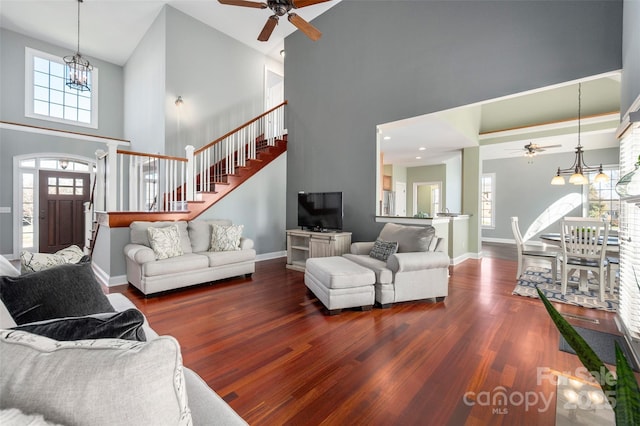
210,173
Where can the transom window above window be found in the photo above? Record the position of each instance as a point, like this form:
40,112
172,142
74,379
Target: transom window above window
49,98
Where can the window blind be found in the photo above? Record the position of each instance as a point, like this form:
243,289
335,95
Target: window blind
629,310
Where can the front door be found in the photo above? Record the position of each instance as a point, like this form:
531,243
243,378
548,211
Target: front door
61,209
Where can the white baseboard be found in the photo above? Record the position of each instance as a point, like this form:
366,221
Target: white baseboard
106,280
272,255
459,259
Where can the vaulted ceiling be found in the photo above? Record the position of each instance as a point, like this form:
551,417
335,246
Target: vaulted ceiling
111,29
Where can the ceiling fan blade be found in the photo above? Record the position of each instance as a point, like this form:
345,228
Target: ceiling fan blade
268,28
312,32
550,146
304,3
244,3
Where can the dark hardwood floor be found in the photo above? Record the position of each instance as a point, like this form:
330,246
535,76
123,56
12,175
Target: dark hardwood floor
265,345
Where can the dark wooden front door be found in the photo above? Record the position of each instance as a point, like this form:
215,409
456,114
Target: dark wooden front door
61,209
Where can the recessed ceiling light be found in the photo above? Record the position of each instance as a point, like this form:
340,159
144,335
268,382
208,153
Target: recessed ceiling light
386,138
418,158
422,148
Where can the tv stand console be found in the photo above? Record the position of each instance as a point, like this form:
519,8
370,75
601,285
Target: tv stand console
303,245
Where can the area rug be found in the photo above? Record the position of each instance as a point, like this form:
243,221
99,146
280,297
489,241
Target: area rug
541,278
603,344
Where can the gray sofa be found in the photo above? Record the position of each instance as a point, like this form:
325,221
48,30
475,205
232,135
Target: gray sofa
418,270
196,265
45,380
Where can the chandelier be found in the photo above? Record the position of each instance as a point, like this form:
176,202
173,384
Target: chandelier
576,171
78,69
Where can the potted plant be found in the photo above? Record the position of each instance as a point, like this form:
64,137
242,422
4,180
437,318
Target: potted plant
625,390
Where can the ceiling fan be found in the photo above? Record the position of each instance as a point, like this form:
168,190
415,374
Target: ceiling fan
532,149
281,8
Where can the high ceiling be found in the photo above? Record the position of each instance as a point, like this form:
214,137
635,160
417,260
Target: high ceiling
501,127
111,29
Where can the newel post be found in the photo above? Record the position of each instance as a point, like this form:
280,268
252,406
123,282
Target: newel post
112,177
98,195
191,177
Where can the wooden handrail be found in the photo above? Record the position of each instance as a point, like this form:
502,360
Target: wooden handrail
143,154
237,129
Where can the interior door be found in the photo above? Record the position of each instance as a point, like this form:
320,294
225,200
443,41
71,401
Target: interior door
61,209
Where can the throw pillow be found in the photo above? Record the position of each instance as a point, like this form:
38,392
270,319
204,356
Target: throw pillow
225,238
32,262
96,382
383,249
165,242
69,290
121,325
410,238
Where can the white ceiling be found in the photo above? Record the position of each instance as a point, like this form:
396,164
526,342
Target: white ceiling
111,29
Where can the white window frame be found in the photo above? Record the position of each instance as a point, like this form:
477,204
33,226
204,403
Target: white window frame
586,203
493,201
28,90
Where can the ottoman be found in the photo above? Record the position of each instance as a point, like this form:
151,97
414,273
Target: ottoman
339,283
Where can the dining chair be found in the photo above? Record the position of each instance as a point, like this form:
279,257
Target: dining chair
613,265
528,253
584,248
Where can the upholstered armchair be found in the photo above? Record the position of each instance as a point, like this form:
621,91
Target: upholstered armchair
418,269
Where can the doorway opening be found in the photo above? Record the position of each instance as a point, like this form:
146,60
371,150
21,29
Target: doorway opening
427,198
49,201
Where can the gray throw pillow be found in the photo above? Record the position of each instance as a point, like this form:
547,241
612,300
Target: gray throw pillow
383,249
69,290
121,325
410,238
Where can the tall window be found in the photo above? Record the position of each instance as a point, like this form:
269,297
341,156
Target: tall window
488,193
602,199
47,97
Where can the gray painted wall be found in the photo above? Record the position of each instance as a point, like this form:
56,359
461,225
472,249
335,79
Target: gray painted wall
220,79
144,84
365,71
630,85
523,189
14,143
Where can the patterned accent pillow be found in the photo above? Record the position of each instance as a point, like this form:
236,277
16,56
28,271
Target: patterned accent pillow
383,249
64,381
32,262
225,238
165,242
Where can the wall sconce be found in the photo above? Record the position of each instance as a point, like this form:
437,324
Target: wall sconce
282,53
179,101
63,164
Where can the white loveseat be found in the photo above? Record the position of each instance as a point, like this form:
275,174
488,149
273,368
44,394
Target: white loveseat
198,264
418,270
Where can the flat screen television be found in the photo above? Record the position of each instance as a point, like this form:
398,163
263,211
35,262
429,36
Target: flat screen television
320,211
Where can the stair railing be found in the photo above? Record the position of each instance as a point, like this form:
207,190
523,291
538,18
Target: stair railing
141,182
222,156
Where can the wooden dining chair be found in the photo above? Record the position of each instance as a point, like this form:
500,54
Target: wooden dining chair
528,253
584,248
